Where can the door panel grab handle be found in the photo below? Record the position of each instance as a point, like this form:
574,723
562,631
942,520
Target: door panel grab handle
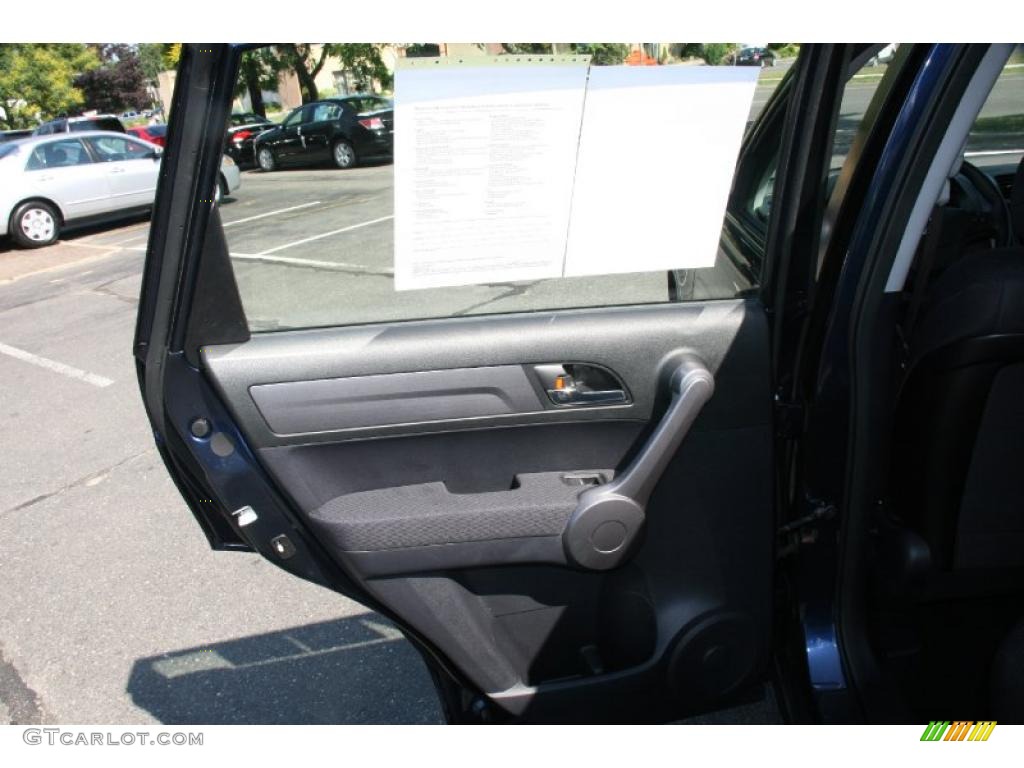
608,518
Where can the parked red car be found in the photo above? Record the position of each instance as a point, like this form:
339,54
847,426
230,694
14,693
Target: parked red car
154,134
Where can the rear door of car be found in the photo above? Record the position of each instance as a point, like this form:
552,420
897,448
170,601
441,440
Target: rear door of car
131,168
288,145
320,131
561,492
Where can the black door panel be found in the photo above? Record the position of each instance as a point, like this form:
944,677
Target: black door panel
632,342
453,518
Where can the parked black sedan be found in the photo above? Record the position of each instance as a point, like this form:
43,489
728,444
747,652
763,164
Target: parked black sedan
243,128
755,57
344,131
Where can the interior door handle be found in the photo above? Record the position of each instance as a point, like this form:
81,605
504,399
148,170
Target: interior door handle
608,518
574,396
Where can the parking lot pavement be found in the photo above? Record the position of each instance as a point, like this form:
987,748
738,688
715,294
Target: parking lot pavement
112,607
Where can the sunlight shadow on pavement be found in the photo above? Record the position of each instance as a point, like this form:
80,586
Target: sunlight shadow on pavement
352,670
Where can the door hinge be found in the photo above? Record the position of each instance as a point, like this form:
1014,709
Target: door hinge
804,530
789,418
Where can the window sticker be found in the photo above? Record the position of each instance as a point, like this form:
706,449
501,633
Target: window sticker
530,167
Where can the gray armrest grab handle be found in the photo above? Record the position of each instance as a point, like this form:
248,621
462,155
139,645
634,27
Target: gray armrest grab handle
608,518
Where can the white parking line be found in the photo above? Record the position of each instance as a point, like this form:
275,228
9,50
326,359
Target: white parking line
993,152
53,365
287,260
325,234
93,246
270,213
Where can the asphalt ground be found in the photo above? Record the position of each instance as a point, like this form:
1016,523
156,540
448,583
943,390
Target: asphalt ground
112,607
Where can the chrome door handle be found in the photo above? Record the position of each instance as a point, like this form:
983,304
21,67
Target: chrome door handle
117,170
608,518
574,396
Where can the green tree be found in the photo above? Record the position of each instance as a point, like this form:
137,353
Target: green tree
716,53
37,80
307,60
118,83
155,58
259,70
416,50
711,53
525,48
603,53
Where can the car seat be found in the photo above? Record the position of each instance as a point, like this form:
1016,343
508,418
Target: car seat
960,415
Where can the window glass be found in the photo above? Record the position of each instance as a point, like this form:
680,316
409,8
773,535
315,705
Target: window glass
314,240
115,148
294,118
983,190
326,111
245,119
857,95
366,104
97,124
58,154
997,136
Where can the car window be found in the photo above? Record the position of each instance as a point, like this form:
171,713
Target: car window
96,124
294,118
367,104
115,148
324,252
246,119
857,95
326,111
997,136
58,154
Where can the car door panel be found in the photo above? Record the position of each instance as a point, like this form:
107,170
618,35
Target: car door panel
79,190
425,469
441,517
132,182
319,131
316,141
287,143
75,183
131,169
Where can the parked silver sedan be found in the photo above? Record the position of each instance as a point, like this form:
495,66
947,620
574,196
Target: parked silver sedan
48,183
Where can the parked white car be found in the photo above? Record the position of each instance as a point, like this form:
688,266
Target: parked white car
48,183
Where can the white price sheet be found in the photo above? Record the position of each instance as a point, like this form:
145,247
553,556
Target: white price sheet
657,153
484,164
546,168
